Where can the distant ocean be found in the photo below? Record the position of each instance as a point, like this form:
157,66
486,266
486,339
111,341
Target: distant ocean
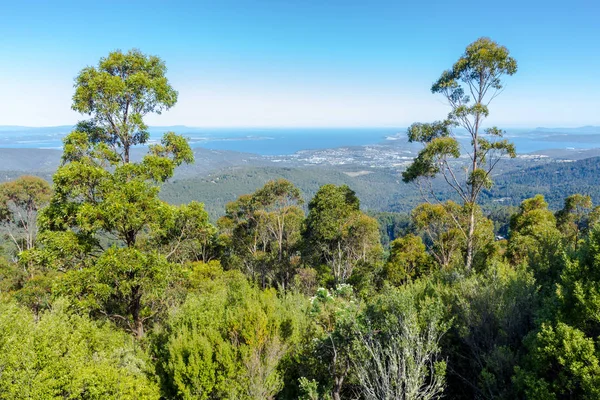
286,141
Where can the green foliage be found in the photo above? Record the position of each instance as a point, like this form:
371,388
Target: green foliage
126,285
469,87
491,312
338,234
399,354
185,234
334,314
310,389
60,355
391,225
536,241
408,260
578,289
445,228
261,233
20,201
576,218
227,339
562,363
118,93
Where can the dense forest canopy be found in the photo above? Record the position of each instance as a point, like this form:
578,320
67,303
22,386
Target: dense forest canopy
109,292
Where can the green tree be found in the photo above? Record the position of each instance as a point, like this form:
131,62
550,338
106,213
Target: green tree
578,289
338,234
335,314
408,260
392,225
535,241
469,87
228,338
444,237
185,234
491,313
575,219
118,93
562,361
445,229
60,355
262,232
105,208
398,354
562,364
20,202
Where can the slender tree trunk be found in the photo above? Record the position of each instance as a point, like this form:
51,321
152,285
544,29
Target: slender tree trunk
136,309
470,239
337,388
139,327
338,381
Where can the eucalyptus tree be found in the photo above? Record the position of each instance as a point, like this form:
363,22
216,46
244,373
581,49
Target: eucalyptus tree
408,260
535,241
118,93
338,234
20,201
105,209
469,87
262,232
576,218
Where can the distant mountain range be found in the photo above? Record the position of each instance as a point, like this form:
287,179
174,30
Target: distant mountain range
589,129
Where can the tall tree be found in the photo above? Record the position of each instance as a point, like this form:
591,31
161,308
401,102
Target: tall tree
20,201
469,87
106,209
118,93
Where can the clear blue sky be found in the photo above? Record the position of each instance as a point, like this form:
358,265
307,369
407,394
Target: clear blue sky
304,62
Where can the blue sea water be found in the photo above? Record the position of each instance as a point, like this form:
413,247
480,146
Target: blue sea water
286,141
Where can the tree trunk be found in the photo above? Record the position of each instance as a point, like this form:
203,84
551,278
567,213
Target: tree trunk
139,327
470,239
136,310
337,388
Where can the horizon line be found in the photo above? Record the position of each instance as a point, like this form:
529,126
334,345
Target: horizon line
508,126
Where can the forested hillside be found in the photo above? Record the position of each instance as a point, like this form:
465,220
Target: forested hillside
383,189
107,291
378,189
555,181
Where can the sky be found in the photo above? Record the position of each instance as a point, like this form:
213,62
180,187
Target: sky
292,63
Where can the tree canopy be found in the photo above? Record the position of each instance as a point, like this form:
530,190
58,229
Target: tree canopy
469,86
